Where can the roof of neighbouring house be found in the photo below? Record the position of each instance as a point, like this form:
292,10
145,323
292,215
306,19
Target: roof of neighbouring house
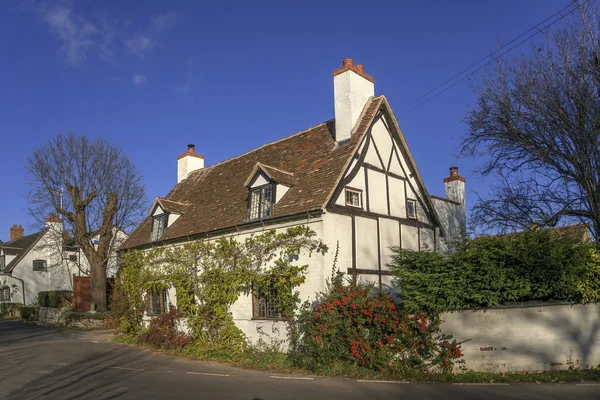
20,248
311,162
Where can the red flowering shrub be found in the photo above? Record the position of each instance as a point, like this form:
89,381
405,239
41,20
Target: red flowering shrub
360,325
162,332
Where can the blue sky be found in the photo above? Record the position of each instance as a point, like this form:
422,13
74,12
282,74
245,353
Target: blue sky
153,76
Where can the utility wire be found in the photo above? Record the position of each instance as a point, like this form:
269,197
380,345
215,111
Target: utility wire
490,61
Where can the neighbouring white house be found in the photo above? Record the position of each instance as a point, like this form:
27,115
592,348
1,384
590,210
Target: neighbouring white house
45,260
351,179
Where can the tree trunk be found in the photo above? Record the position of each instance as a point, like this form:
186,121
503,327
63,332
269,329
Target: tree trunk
98,276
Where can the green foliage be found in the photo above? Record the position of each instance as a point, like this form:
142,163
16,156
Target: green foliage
55,298
490,271
28,313
358,325
209,276
163,332
589,284
10,309
78,316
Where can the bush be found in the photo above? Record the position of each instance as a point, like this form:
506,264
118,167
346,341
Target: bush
55,298
490,271
28,313
10,309
162,332
78,316
355,324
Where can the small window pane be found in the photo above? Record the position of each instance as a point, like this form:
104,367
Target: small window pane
264,304
159,224
39,265
260,204
353,198
411,208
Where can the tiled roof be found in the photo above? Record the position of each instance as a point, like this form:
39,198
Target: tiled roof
22,245
217,196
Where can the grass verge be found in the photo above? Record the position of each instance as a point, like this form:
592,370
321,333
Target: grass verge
274,361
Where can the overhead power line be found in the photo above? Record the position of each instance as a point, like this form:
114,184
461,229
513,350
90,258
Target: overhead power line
537,29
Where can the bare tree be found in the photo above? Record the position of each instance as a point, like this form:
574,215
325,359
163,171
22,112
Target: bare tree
96,190
537,124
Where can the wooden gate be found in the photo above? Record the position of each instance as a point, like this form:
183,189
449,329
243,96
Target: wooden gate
82,292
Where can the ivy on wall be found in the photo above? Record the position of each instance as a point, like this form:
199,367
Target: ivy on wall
209,276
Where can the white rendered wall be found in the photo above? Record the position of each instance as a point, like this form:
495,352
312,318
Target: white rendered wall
188,164
528,339
351,92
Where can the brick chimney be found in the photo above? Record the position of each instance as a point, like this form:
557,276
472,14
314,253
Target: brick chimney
188,162
16,232
352,88
455,186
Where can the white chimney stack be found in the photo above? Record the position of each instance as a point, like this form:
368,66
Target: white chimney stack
455,186
188,162
352,88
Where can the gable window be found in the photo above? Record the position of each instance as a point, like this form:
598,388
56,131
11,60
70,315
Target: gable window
159,224
411,208
39,265
264,304
353,197
157,302
260,202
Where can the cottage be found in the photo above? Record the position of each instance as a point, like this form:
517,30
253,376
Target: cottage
44,260
351,179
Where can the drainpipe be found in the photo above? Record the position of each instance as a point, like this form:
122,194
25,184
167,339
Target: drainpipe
22,284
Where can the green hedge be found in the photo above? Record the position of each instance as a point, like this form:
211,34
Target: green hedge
78,316
28,313
490,271
10,309
55,298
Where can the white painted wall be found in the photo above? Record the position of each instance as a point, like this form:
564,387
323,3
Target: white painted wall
367,250
389,233
378,202
351,92
453,221
528,339
188,164
410,237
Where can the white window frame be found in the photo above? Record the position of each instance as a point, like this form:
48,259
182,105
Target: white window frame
358,192
162,221
414,203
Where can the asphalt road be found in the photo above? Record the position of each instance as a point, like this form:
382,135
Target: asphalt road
42,363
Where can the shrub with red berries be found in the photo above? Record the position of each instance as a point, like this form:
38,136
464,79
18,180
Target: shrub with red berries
359,324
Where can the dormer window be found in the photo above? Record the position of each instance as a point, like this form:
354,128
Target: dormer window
159,224
260,202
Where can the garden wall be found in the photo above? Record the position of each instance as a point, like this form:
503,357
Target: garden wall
530,338
47,315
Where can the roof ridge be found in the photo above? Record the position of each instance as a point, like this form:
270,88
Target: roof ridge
264,145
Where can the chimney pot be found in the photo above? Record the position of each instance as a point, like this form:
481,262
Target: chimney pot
360,68
191,148
348,62
453,171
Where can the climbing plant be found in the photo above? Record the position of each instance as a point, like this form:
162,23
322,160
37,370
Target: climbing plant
209,276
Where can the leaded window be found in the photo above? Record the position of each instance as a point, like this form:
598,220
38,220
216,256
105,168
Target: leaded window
5,294
264,304
157,302
159,224
353,198
39,265
411,208
260,203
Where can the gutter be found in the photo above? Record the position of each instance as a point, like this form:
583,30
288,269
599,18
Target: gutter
22,284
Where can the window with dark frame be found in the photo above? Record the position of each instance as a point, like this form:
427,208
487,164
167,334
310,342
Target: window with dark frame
39,265
5,294
73,257
264,304
411,208
353,198
157,302
260,202
159,224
